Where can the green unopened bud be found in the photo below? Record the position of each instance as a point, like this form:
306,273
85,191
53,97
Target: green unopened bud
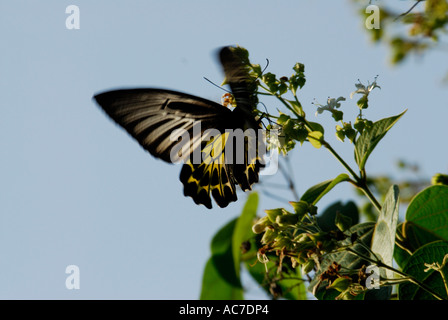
300,207
340,284
286,220
440,179
351,134
282,242
308,266
288,127
299,67
282,119
270,80
273,213
359,124
261,225
318,236
363,102
301,134
337,115
294,262
340,133
302,238
268,236
342,222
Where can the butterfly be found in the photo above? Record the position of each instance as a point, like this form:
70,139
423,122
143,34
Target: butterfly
175,126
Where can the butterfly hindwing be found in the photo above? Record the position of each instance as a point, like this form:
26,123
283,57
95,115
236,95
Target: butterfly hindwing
212,177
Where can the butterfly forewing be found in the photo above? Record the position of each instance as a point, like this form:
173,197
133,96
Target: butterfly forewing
152,115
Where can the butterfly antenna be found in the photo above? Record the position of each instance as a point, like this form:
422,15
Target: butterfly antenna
264,69
263,114
216,85
267,64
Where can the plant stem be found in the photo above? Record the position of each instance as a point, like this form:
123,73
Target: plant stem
359,182
337,156
363,186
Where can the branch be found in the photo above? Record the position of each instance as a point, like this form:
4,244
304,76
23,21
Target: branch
410,9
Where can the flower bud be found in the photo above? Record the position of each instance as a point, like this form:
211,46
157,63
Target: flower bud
261,225
308,266
300,207
318,236
282,242
340,134
273,213
286,220
269,236
363,102
302,238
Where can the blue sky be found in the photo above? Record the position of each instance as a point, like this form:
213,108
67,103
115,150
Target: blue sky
75,189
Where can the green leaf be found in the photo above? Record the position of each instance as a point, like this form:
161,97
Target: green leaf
410,237
315,138
222,254
383,240
243,229
296,107
370,137
426,221
282,119
316,192
220,280
430,253
429,210
214,287
317,127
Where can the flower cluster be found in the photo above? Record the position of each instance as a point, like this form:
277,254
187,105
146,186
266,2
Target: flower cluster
298,236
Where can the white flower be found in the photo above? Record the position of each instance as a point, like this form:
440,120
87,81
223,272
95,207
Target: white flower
364,90
331,105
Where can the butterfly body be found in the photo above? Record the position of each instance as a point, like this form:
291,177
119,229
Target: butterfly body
170,124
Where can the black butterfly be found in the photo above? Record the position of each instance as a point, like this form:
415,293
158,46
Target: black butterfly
151,116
